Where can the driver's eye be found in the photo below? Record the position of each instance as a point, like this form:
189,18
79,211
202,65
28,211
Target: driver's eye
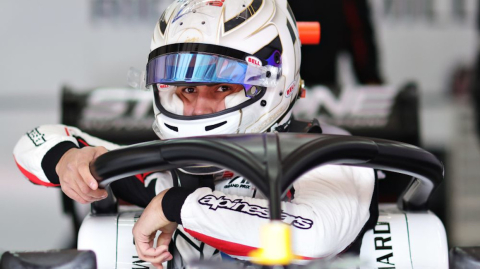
223,88
189,90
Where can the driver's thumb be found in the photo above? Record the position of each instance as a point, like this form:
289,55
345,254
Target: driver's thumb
164,239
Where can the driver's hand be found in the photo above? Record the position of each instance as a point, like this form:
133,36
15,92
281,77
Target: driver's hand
76,180
145,229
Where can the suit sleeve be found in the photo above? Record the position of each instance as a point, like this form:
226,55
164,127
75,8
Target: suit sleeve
330,207
141,189
39,150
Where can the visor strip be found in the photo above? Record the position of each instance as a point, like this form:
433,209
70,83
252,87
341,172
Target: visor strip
199,47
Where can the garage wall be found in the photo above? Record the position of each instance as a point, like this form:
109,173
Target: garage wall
45,44
92,43
424,40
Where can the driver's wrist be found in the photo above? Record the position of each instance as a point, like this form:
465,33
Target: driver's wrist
53,157
172,203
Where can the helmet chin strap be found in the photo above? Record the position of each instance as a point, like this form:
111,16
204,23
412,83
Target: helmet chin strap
280,128
281,125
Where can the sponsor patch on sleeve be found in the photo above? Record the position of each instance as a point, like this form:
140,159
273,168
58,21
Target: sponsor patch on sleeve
36,137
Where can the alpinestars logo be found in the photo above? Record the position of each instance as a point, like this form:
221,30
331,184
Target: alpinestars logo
36,137
239,205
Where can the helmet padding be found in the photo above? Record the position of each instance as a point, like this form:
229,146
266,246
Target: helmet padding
235,99
171,102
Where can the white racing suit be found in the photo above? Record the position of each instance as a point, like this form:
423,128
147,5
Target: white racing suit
327,209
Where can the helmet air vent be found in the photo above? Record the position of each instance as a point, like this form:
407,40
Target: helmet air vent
171,127
214,126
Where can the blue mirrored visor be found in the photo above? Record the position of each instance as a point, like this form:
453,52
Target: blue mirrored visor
208,69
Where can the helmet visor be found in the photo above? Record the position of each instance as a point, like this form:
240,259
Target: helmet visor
201,68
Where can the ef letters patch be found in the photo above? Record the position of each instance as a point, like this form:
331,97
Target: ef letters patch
36,137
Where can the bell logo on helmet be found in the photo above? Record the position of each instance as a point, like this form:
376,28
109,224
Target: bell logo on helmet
162,86
253,60
289,90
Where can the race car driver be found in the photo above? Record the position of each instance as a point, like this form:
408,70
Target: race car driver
215,67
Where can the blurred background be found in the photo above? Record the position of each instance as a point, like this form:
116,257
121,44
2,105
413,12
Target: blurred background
397,69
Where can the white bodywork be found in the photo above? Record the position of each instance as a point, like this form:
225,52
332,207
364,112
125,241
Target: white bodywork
405,240
400,240
110,237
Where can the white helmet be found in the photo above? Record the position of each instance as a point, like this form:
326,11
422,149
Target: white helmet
253,43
